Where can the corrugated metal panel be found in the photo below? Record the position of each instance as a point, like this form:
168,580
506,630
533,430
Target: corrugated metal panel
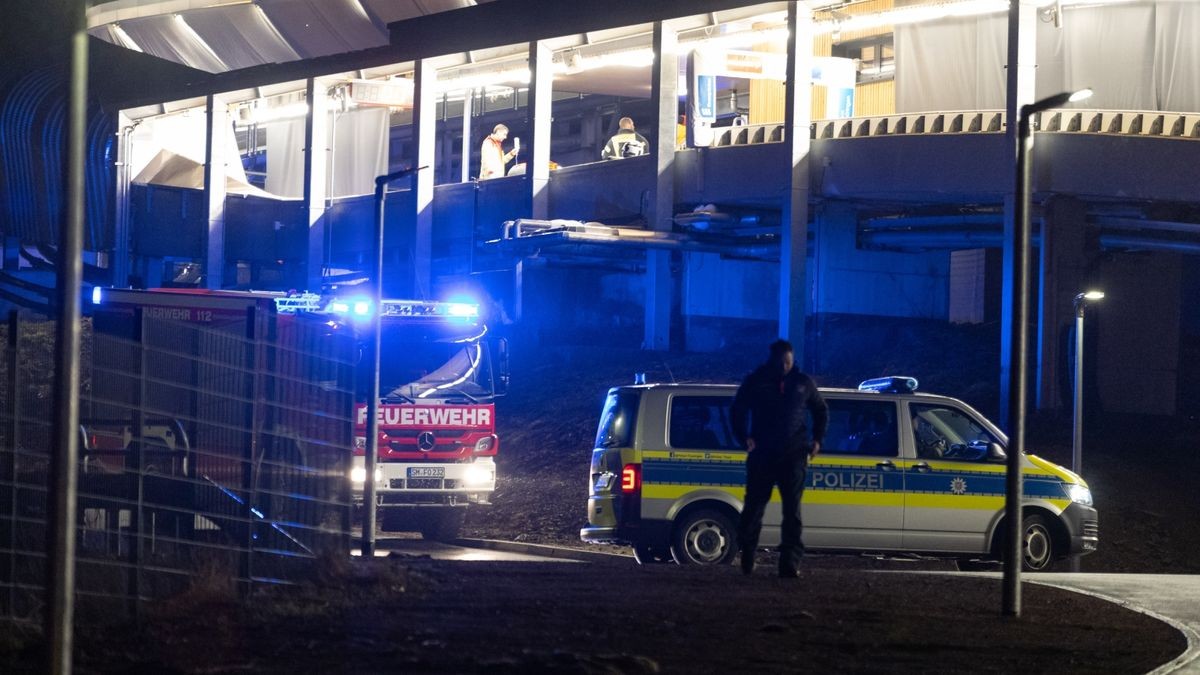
31,154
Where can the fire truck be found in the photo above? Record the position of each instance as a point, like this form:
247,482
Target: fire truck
438,382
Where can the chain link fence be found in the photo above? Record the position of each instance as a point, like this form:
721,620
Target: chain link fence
205,447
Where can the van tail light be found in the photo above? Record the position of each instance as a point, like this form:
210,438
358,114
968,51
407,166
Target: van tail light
631,479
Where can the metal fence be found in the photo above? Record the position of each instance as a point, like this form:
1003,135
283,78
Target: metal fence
203,449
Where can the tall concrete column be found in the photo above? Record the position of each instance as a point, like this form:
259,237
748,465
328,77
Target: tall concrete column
316,172
215,161
468,105
793,246
535,152
664,87
1062,268
120,260
1022,64
425,133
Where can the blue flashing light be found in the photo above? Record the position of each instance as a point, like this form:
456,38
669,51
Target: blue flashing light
339,307
362,308
462,309
897,384
97,295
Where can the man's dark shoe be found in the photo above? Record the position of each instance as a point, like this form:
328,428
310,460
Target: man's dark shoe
788,573
747,564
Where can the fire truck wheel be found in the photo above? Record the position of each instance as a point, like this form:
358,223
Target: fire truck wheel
645,554
443,526
704,537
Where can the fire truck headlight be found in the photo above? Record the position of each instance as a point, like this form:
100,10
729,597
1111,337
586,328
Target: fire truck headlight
359,475
484,444
362,308
478,475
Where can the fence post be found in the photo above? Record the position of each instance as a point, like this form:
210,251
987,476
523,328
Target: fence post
139,441
14,411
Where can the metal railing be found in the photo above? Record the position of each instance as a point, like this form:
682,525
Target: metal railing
1149,123
202,451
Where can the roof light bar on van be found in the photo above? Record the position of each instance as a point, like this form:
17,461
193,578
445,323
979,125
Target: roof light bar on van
305,302
896,384
460,310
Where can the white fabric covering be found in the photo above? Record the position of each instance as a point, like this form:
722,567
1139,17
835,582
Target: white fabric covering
1142,55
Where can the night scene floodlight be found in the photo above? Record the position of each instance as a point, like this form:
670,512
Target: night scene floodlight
1019,344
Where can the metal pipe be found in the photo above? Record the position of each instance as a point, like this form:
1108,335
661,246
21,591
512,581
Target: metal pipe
1077,412
60,560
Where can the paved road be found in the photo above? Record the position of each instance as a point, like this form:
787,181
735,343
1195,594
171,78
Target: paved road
1173,596
414,546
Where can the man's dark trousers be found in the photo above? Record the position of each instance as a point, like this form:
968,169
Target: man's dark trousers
766,468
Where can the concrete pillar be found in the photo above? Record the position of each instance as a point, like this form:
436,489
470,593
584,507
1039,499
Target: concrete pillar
664,88
468,104
535,152
215,153
316,171
1022,63
793,246
425,134
1062,270
120,259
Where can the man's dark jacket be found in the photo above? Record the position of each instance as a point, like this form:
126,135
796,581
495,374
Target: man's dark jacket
776,405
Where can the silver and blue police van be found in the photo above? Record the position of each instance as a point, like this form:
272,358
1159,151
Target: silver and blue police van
900,472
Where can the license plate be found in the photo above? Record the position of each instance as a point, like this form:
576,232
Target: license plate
426,472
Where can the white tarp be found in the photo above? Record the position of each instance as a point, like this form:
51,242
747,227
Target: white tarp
241,36
167,38
1137,56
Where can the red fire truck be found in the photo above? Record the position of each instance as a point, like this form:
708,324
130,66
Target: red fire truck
438,383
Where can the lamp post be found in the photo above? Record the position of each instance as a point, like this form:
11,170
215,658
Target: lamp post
1081,302
1019,344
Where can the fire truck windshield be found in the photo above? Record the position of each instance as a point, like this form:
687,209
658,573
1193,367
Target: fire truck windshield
419,367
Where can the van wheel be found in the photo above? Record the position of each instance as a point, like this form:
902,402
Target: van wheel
704,537
1037,544
645,554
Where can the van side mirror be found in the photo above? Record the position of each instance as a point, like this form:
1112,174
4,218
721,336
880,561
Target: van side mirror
996,453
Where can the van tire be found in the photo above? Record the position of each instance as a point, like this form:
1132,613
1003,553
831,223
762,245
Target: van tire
704,537
1037,544
647,554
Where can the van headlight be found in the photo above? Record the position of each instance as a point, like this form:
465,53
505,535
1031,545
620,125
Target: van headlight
359,475
1079,494
477,474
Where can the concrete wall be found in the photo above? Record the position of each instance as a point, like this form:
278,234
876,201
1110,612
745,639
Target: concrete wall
882,283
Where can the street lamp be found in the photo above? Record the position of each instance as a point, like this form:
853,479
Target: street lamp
1019,344
1081,302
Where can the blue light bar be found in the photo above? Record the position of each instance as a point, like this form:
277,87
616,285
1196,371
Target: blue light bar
339,307
896,384
362,308
461,309
97,294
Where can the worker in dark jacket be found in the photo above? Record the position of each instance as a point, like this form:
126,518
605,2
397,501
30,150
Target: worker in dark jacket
770,419
626,143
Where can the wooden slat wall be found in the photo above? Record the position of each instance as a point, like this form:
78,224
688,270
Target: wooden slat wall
875,98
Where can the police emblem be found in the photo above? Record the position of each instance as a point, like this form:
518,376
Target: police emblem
958,486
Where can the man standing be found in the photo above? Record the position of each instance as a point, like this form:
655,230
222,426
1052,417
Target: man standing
775,400
492,157
626,142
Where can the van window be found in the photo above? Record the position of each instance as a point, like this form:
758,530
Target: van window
942,432
618,419
702,423
858,427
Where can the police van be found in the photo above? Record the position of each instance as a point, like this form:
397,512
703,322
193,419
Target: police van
900,472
